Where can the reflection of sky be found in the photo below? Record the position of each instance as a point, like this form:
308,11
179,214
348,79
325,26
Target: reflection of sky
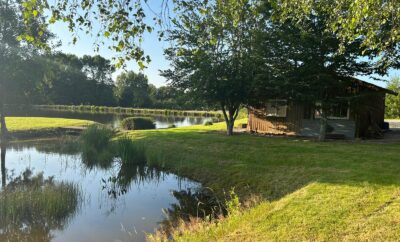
140,209
112,119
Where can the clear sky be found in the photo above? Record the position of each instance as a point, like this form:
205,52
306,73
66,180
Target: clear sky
152,46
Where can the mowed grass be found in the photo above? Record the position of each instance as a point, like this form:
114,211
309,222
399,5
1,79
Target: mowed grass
312,191
39,123
330,191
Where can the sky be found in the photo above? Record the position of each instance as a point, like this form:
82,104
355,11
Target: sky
152,47
84,46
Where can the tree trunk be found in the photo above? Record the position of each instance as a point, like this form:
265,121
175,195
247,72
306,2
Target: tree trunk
230,126
3,164
323,126
230,117
4,130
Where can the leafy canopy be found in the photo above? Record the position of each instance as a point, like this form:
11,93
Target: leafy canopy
375,22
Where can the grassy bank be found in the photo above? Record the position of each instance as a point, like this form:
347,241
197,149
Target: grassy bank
331,191
131,111
310,190
38,127
15,124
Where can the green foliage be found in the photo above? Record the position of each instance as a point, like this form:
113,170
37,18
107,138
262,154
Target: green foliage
97,146
98,136
393,102
32,203
208,123
130,151
132,90
374,22
233,204
212,55
134,123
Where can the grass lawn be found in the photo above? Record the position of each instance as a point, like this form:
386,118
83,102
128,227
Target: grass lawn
16,124
329,191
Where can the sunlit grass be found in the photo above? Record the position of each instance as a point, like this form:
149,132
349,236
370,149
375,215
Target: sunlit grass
329,191
38,123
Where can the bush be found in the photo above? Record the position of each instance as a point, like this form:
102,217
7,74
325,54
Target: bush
208,123
171,126
137,123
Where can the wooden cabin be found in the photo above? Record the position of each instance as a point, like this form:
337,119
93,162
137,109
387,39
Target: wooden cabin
362,118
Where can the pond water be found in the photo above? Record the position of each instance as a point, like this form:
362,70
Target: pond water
107,118
50,193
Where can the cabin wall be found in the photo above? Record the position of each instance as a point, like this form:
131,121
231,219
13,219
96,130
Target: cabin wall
372,113
289,125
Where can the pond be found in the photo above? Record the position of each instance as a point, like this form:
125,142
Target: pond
50,193
111,119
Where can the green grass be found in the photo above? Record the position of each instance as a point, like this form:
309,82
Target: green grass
329,191
38,123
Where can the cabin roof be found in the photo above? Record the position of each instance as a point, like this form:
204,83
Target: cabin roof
374,87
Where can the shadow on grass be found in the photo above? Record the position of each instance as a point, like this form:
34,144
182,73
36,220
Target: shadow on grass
268,167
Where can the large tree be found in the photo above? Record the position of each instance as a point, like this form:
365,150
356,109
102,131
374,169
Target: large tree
14,55
374,22
132,90
211,57
302,63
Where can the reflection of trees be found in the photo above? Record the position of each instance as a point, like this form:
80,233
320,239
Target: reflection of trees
32,206
129,173
198,203
3,164
66,145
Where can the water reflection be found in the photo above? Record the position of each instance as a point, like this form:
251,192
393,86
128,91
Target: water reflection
59,196
111,119
31,207
3,164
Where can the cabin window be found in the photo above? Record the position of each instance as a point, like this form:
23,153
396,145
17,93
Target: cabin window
276,108
339,110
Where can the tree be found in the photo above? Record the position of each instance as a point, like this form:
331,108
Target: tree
392,101
131,90
374,22
99,71
302,63
212,54
15,54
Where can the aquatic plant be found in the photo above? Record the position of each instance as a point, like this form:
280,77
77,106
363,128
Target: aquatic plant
134,123
129,151
97,137
96,146
32,206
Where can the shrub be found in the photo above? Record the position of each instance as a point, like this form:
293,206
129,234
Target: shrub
134,123
171,126
208,123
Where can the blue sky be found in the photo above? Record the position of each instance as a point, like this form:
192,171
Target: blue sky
84,46
152,46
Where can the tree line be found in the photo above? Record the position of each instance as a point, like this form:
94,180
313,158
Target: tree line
67,79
